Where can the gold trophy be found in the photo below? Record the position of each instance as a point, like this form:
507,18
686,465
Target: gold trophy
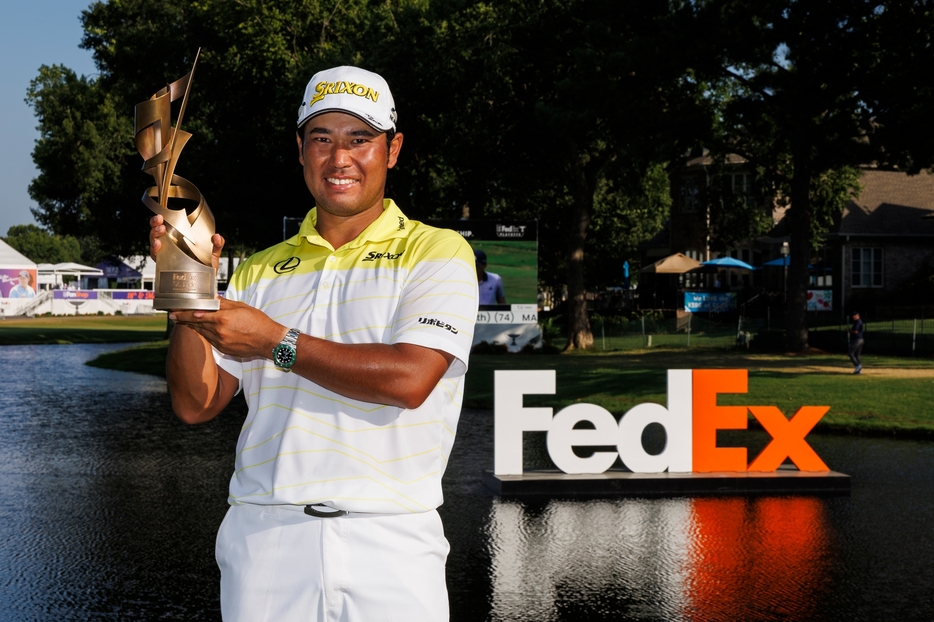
185,276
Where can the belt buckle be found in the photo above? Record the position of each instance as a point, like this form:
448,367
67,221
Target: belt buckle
331,513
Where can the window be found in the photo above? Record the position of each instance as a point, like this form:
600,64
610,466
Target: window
741,185
690,194
867,267
692,280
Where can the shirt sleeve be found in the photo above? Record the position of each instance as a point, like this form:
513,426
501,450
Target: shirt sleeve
438,306
231,364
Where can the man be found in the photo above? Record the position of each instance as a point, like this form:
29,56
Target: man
350,343
856,343
23,289
491,285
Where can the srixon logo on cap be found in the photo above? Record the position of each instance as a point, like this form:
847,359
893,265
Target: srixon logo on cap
691,420
338,88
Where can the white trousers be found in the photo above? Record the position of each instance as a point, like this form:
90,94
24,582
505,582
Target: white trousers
280,565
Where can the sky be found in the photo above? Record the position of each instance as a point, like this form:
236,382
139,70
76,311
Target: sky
32,33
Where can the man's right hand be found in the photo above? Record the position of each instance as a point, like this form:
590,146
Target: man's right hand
157,230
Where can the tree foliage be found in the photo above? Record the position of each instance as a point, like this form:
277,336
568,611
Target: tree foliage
84,145
42,247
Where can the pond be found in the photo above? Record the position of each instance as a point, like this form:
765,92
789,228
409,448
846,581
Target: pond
109,507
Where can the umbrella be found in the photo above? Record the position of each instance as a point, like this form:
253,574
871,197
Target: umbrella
728,262
673,264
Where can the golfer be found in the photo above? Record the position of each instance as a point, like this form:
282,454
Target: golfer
490,284
349,342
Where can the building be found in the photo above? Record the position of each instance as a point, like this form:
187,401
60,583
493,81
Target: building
879,251
884,241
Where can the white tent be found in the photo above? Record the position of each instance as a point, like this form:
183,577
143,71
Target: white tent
18,276
51,274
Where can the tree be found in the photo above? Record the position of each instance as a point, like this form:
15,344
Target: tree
810,89
42,247
552,107
84,145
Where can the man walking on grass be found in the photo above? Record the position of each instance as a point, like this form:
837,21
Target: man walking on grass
856,343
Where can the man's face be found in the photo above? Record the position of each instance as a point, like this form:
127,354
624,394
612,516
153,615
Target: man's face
345,162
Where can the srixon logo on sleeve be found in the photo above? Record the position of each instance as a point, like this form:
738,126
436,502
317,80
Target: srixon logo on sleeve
691,420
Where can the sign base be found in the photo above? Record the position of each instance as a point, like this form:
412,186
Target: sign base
617,483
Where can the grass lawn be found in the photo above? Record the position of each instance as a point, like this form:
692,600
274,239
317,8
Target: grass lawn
516,262
893,396
82,329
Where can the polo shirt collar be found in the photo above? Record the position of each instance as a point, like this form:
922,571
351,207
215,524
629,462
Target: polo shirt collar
392,223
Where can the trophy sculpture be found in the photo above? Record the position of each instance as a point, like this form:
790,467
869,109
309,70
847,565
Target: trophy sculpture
185,276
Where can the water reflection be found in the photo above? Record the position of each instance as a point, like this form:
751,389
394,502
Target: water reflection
760,558
684,559
546,558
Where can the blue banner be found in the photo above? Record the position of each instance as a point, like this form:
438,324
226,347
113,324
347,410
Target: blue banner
707,302
74,294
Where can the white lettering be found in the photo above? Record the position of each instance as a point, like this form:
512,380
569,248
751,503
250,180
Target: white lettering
562,437
510,419
676,419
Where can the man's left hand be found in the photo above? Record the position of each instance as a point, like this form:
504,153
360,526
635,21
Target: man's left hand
236,329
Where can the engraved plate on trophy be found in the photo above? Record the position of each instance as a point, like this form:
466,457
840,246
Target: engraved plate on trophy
185,275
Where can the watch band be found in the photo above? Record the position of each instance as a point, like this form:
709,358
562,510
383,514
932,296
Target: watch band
284,354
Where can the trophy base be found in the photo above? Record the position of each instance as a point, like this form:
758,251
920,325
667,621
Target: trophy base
185,304
183,283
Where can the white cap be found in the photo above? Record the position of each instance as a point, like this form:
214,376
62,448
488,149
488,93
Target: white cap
355,91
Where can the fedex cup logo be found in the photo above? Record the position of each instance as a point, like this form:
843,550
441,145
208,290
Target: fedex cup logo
691,421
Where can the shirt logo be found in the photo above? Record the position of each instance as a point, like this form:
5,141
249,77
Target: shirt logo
373,256
287,265
433,322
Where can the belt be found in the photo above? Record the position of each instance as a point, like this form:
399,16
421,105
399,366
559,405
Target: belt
328,512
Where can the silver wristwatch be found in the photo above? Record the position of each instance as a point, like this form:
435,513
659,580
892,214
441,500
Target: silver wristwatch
284,354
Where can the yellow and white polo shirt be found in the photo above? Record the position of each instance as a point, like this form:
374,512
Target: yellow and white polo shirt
400,281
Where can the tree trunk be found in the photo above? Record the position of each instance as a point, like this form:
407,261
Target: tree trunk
796,326
579,335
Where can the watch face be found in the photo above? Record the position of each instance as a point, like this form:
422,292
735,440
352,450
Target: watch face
284,356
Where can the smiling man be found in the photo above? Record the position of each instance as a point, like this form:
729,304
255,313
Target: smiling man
350,344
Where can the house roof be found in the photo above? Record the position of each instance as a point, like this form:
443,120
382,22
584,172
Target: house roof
891,203
706,160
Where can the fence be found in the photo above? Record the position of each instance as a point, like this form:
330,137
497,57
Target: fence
618,333
898,337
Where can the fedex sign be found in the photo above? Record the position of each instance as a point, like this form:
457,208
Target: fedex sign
691,420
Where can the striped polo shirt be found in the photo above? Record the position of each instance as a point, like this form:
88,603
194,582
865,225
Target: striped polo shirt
399,281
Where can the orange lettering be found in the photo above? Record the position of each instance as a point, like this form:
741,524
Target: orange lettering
788,438
708,418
